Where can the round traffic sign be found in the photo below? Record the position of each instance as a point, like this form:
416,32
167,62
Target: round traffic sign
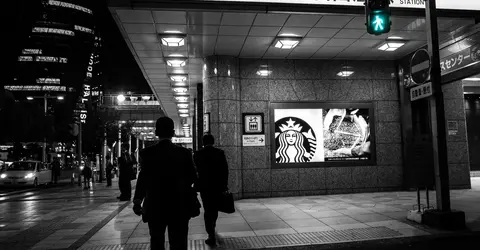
420,66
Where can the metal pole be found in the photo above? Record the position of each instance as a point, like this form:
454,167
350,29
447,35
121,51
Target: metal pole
44,151
119,140
439,136
130,144
79,152
104,155
137,146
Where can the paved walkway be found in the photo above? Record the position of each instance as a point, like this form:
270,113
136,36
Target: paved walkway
69,217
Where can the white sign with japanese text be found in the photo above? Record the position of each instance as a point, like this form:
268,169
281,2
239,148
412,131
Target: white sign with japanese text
422,91
441,4
253,140
182,139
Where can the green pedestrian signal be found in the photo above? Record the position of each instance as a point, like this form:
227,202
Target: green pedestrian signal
378,16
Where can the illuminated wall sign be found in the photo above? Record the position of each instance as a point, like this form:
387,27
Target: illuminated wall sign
90,67
322,133
48,80
32,51
25,58
83,116
182,139
70,5
36,88
51,59
441,4
53,31
84,29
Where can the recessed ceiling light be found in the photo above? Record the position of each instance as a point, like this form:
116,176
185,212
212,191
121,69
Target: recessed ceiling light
180,90
173,39
176,61
181,98
472,79
395,37
263,72
178,78
346,71
391,45
288,34
184,111
173,32
176,55
286,42
182,105
183,115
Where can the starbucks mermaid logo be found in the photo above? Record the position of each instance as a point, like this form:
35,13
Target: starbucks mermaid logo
295,141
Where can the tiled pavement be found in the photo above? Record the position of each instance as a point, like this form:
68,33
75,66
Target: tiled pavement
97,220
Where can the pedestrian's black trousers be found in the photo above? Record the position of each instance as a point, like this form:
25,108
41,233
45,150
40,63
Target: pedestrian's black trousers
125,188
177,233
209,200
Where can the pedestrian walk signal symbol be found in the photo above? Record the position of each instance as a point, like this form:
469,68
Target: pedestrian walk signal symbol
378,16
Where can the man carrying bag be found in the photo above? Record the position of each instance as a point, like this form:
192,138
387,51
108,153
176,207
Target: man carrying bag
212,183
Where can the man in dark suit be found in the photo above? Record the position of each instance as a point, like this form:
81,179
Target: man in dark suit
165,184
212,170
125,163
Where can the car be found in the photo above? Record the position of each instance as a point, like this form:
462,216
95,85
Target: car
26,173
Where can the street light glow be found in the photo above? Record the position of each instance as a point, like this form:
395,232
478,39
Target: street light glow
29,98
121,98
60,97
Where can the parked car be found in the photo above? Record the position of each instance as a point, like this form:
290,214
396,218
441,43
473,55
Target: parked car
24,173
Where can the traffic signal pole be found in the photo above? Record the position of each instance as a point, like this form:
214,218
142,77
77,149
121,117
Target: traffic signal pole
443,217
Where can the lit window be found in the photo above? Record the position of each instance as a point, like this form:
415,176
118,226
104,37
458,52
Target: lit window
70,5
48,80
53,31
84,29
32,51
25,58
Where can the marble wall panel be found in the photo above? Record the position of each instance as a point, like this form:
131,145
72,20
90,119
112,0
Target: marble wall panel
228,88
227,66
388,132
282,90
330,69
229,111
285,193
382,69
457,152
385,90
312,178
226,137
211,106
234,181
390,176
256,180
322,89
339,177
303,89
365,177
249,68
210,89
215,132
307,69
459,174
453,90
282,69
387,111
455,109
254,89
362,70
232,153
389,154
285,179
255,157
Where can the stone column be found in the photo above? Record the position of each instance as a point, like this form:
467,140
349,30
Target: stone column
221,98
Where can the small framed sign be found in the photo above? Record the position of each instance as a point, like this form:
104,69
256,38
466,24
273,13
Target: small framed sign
206,123
253,123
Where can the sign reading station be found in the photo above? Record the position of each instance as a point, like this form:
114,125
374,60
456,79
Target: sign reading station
415,4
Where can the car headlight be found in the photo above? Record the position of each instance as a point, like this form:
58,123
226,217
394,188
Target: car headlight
3,176
28,176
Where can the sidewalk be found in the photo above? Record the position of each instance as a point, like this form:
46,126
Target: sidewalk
289,221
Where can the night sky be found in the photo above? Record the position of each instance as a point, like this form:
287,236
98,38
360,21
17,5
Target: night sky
120,68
